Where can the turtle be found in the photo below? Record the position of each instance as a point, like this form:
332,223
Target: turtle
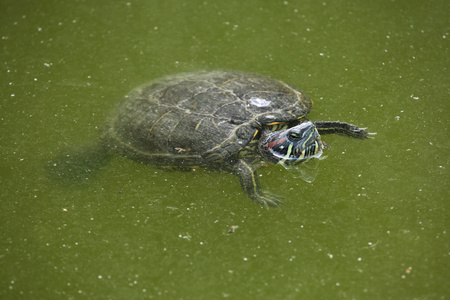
220,119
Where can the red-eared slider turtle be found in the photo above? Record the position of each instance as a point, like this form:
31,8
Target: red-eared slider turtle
226,120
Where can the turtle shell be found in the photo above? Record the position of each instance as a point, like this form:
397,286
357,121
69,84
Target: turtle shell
195,118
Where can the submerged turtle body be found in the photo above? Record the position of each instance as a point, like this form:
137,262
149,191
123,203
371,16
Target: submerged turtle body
224,119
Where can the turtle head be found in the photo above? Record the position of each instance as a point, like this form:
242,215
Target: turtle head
293,145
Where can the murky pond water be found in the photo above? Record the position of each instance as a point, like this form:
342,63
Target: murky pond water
373,225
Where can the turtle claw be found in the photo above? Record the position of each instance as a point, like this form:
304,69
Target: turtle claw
268,200
363,133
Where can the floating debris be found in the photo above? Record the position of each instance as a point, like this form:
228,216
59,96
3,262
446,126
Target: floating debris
233,228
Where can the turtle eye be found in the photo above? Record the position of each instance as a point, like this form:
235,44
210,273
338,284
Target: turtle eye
294,136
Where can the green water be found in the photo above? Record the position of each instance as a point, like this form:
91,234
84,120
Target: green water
373,225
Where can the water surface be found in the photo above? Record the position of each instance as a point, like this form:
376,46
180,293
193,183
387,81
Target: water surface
373,225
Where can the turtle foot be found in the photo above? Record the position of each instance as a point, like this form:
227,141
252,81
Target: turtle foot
267,199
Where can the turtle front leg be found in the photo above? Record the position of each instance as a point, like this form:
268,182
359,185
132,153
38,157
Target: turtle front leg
250,184
327,127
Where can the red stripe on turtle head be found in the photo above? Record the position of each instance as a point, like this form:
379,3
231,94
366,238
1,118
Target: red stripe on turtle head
276,142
